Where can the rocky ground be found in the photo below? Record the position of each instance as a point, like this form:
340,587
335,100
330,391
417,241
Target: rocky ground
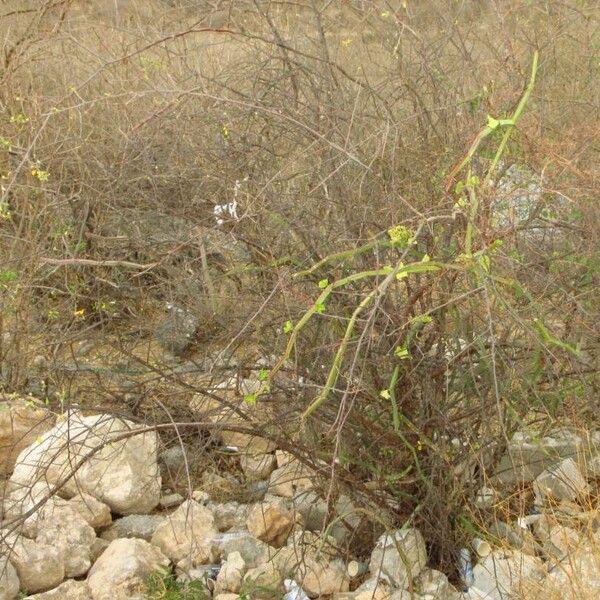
85,515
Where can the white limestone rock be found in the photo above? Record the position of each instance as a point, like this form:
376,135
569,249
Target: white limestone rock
231,575
563,481
257,466
189,532
263,581
270,522
66,530
122,570
503,575
9,580
527,455
133,526
96,513
322,578
68,590
229,515
22,421
118,469
399,557
253,551
40,567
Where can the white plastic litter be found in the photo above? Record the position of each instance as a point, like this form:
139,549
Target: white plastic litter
293,591
465,567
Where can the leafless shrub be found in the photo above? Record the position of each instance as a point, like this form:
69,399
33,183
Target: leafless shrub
201,154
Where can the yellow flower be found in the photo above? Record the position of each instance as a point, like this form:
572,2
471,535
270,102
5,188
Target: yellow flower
19,119
5,213
80,314
40,174
401,236
346,42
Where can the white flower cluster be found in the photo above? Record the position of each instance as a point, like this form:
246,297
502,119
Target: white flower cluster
225,209
229,208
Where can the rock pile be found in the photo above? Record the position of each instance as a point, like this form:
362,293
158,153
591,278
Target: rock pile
555,550
84,517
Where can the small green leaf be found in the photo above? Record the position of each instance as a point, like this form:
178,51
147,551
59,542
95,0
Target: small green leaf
518,290
263,374
548,338
492,123
288,327
250,399
426,258
323,283
484,261
401,352
424,319
8,276
402,274
473,181
320,307
424,268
